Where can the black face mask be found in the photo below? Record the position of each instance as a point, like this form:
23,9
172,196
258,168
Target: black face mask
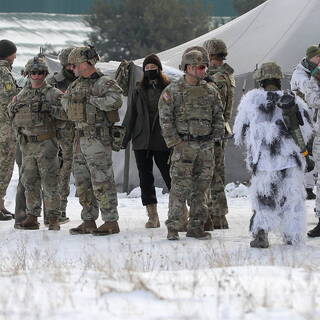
151,74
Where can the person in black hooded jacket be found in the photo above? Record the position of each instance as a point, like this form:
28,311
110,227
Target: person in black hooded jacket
143,128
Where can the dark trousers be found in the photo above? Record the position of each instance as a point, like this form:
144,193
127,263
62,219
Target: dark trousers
144,160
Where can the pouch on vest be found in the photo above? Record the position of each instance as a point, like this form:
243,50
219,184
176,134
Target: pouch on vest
91,114
113,116
117,134
76,111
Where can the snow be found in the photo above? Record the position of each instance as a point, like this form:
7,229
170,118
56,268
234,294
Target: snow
138,274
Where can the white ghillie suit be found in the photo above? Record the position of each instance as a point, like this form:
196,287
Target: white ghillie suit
277,189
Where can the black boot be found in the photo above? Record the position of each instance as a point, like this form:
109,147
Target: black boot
4,216
315,232
310,194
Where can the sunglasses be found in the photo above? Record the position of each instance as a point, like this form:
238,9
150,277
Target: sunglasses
201,67
40,73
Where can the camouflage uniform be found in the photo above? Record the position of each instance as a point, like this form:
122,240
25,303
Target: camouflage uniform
222,76
8,89
89,103
190,117
65,131
34,113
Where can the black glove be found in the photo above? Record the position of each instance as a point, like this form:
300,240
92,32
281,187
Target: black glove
309,164
287,101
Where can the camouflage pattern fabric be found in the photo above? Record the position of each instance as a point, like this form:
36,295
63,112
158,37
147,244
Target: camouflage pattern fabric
224,80
34,114
191,117
87,102
8,89
65,136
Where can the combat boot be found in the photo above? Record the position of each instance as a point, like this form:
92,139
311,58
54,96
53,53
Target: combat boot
173,234
109,227
153,221
63,218
260,240
220,222
54,223
85,227
208,226
30,223
184,219
4,216
198,233
5,211
310,194
315,232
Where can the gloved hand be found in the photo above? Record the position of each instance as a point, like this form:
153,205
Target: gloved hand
287,101
309,164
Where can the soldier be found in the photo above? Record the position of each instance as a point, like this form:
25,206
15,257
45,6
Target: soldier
300,82
33,112
312,97
8,89
92,103
221,74
269,123
65,133
191,118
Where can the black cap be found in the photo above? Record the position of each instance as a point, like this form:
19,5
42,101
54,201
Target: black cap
152,58
7,48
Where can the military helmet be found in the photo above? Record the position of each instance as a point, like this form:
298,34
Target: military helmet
36,64
194,56
268,70
64,54
83,54
215,46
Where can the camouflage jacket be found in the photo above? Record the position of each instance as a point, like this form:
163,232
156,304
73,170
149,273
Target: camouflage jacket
194,111
34,111
8,89
224,79
89,102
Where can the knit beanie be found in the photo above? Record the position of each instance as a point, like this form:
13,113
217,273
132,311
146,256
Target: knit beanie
7,48
312,52
152,58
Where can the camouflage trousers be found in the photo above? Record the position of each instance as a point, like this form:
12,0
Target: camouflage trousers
7,156
192,166
39,171
93,173
65,140
316,158
217,203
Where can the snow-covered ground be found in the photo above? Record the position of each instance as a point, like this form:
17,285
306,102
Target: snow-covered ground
138,274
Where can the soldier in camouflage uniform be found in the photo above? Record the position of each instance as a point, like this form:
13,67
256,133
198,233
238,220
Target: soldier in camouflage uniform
8,89
65,132
221,74
191,118
92,103
34,112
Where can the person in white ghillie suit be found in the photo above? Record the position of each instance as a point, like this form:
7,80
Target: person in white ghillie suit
268,123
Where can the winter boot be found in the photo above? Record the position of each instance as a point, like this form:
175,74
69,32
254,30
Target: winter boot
63,218
54,223
18,218
315,232
173,234
4,213
220,222
198,233
109,227
260,240
30,223
85,227
4,216
208,226
153,221
184,219
310,194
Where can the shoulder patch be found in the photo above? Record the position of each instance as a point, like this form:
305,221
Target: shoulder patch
8,86
166,97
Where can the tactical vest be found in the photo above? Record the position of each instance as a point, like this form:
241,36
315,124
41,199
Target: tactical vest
79,109
193,110
33,112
